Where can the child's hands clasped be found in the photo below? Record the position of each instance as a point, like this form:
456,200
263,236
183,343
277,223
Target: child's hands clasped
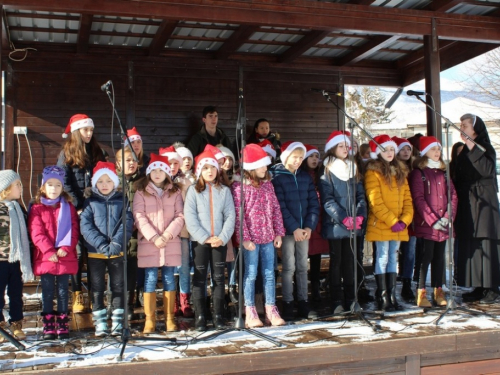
249,245
214,241
54,258
61,253
160,242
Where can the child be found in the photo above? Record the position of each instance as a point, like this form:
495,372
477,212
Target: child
390,212
79,156
15,263
261,132
269,149
429,191
229,162
54,229
300,210
210,217
102,229
158,215
136,144
340,174
262,230
187,161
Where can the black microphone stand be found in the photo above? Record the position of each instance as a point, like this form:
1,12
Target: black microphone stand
11,339
355,307
451,304
125,336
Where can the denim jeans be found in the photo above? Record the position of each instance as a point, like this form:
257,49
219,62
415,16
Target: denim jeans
49,282
167,278
116,275
408,252
185,268
10,279
294,261
387,259
264,254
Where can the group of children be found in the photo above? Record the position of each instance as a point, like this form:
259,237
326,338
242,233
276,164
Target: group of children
181,208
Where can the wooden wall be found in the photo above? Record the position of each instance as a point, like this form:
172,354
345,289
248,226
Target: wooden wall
164,100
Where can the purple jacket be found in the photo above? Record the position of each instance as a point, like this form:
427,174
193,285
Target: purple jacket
430,200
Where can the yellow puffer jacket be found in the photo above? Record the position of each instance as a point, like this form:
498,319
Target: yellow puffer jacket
386,205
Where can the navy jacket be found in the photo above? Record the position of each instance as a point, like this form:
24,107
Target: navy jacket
297,197
101,225
76,180
336,200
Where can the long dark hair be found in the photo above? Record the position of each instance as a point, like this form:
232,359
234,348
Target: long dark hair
316,172
454,157
201,185
143,182
254,179
76,154
400,168
331,155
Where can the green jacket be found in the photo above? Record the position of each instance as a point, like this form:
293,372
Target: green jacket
198,141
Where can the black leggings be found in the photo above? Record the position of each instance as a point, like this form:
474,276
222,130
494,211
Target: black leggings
433,254
315,270
98,276
203,254
341,269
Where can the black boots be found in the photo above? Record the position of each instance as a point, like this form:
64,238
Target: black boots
218,318
383,298
391,290
200,322
233,294
406,292
287,311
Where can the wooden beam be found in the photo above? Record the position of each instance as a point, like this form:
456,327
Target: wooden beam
161,37
432,84
236,39
418,55
367,49
82,44
306,42
361,2
443,5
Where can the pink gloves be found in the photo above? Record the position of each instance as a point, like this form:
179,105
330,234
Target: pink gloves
398,227
359,222
349,222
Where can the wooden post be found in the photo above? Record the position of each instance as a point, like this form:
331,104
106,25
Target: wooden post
341,102
10,117
130,122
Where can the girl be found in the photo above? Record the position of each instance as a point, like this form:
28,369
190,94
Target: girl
102,229
15,264
335,186
187,161
136,144
317,244
269,149
262,131
262,231
54,229
79,156
158,216
390,212
429,191
210,217
229,165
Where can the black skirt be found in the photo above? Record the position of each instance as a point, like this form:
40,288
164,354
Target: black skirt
478,262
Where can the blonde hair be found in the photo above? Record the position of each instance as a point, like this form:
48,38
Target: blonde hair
42,193
118,158
142,183
5,193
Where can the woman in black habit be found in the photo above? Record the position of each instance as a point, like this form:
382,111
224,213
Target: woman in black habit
477,224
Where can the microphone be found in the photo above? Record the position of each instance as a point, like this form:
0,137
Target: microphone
328,92
415,93
105,87
393,98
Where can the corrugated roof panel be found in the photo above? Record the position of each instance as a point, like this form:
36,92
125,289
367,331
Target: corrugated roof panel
324,52
208,24
403,4
471,9
202,33
386,56
276,37
404,45
193,45
262,48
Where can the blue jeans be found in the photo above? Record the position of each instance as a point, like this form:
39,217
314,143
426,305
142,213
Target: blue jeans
167,278
265,254
386,257
185,267
48,288
408,250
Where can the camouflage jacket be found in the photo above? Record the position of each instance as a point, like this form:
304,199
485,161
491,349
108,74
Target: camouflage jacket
4,232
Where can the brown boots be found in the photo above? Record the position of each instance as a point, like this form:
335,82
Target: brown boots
150,312
169,299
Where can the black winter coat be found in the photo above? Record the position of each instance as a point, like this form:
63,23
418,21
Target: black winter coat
198,141
76,180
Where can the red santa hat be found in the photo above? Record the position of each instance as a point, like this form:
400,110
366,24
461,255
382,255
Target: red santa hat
288,147
426,143
206,157
185,152
336,137
268,147
133,135
254,157
159,162
310,150
102,168
385,141
171,153
76,122
401,142
215,151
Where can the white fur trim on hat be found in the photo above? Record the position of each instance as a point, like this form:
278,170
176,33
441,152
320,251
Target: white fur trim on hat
201,163
256,164
336,140
374,155
132,138
429,146
101,172
83,123
173,155
291,147
310,152
227,152
403,144
159,165
270,150
184,152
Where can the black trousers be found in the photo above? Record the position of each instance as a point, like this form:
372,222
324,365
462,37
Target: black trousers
315,270
341,269
433,254
98,278
11,279
204,254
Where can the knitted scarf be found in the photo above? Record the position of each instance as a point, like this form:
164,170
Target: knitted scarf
63,237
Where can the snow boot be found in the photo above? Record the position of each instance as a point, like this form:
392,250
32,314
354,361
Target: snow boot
233,294
252,318
169,301
17,330
117,322
78,303
100,322
150,312
187,312
406,292
177,307
383,298
422,300
49,326
218,319
439,297
200,322
287,311
62,324
273,316
391,290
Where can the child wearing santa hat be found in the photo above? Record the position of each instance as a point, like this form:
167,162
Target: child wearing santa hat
158,215
390,212
210,217
102,228
299,204
187,161
269,149
79,155
136,143
262,231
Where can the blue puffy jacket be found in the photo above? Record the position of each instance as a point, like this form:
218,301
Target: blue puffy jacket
101,225
336,200
297,197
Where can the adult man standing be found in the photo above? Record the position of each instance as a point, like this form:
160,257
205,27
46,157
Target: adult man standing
209,133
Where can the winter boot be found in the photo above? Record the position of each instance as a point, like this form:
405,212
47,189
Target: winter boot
287,311
169,301
439,297
273,316
186,308
391,290
304,311
315,293
233,294
78,303
130,304
177,307
200,322
150,312
218,318
337,307
422,300
49,326
406,292
62,323
252,318
117,322
381,295
100,322
17,330
139,297
490,296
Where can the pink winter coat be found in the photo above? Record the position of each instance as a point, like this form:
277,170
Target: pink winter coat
42,227
158,215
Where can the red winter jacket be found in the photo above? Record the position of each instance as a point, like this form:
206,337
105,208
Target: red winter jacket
42,227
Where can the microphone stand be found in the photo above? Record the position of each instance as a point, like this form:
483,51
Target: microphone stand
11,339
355,307
125,336
451,304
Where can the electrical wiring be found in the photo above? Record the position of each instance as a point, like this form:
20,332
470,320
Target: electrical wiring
31,169
18,163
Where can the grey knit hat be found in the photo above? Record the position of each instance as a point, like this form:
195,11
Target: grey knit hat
7,177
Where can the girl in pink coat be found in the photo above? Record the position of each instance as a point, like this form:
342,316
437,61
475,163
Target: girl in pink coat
158,214
54,229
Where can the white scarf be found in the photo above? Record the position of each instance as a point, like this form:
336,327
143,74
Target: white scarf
342,169
433,164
